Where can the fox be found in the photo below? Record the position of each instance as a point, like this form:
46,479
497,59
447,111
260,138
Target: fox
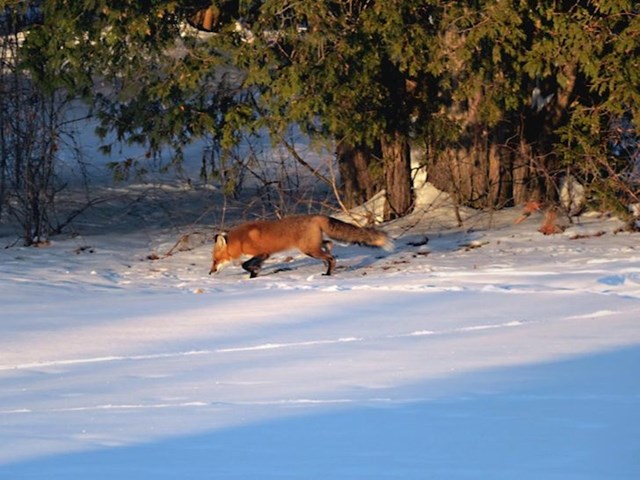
260,239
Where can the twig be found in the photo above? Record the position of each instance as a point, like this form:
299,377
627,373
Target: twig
303,162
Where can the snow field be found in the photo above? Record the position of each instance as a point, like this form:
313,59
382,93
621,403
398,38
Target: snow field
493,353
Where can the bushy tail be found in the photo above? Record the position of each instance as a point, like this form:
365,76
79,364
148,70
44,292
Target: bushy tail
345,232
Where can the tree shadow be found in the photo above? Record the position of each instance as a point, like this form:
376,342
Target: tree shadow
575,418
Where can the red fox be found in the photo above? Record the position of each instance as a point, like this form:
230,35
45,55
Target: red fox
260,239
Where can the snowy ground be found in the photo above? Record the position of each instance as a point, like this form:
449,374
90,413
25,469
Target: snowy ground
490,352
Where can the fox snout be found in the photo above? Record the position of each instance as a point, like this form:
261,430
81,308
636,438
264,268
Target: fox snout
219,253
218,265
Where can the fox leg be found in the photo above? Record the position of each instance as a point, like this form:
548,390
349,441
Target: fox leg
324,255
254,264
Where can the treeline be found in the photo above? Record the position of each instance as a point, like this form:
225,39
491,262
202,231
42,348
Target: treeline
504,98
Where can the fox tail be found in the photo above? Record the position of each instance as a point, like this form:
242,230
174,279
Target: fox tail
346,232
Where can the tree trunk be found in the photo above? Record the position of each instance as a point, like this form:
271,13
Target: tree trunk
498,170
397,176
360,171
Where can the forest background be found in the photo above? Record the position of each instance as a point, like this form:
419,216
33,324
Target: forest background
501,102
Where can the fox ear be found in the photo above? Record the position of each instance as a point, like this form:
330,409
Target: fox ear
220,240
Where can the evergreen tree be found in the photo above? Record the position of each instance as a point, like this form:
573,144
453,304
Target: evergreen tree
129,60
507,95
536,88
350,70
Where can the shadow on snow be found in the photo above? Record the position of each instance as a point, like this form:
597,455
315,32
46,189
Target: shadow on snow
571,419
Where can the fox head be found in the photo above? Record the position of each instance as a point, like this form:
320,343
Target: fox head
219,254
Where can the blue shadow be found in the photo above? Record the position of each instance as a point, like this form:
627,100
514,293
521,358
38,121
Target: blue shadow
566,420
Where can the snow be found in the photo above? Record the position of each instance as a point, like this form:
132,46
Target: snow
489,351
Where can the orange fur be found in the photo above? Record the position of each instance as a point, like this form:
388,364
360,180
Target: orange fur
306,233
550,223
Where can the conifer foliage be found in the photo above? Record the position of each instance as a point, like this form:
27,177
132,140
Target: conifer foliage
505,97
540,90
